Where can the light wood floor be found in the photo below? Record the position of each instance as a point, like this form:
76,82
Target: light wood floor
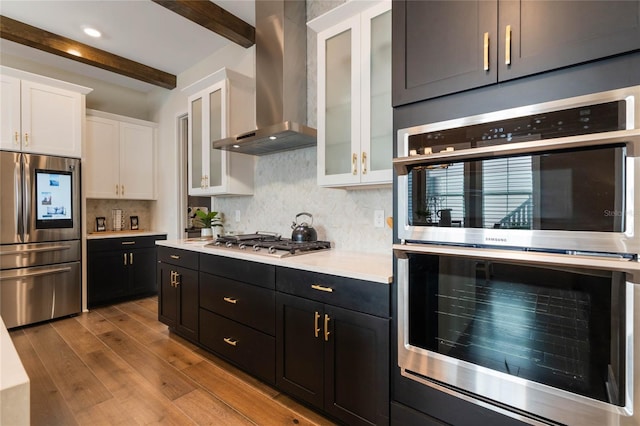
118,365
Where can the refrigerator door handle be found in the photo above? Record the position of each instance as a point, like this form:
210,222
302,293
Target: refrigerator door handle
13,274
38,250
18,173
26,194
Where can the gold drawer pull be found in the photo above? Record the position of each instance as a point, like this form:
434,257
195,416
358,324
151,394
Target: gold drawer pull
507,45
485,52
364,163
127,243
326,327
230,300
230,341
173,256
321,288
317,329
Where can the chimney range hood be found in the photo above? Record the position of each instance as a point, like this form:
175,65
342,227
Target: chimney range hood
281,82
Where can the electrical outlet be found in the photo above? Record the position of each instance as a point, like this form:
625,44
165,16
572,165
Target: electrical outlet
378,218
237,216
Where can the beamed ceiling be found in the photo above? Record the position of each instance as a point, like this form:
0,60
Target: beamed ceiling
205,14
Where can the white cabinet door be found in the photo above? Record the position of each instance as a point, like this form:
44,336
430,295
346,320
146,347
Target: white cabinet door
101,167
355,117
10,132
51,120
377,113
137,162
339,104
119,158
207,122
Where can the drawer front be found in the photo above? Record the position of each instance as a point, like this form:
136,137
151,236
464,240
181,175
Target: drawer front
358,295
248,304
251,350
172,256
124,243
255,273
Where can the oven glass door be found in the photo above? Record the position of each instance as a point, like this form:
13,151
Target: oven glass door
572,190
559,326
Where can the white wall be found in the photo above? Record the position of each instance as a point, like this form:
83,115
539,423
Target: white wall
169,105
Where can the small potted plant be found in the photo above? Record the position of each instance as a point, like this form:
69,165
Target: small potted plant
208,221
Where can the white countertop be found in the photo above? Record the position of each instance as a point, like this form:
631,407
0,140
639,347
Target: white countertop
374,267
14,383
121,234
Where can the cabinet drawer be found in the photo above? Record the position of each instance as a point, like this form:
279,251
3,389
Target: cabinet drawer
255,273
127,243
358,295
172,256
245,303
251,350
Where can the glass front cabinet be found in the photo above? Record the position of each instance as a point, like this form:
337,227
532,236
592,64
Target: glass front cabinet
222,109
355,117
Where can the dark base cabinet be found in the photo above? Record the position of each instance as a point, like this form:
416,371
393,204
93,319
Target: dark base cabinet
120,269
322,339
179,291
237,313
249,349
334,358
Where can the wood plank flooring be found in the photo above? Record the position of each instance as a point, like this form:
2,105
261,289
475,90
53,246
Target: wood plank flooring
119,365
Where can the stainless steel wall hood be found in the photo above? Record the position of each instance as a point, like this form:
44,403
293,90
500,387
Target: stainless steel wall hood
281,82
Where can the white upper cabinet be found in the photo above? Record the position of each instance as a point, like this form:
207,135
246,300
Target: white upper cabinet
220,105
120,157
43,116
355,117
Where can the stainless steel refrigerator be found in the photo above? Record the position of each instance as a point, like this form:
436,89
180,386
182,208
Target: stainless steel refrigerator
40,231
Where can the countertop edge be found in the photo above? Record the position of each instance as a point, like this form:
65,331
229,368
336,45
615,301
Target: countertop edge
14,383
122,234
374,267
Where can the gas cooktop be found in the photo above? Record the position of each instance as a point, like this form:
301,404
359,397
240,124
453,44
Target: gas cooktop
268,243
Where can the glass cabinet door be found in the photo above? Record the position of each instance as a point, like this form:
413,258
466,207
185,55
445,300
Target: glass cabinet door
377,134
196,175
216,156
206,120
338,109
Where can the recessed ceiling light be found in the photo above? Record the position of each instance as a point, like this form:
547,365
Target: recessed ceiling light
92,32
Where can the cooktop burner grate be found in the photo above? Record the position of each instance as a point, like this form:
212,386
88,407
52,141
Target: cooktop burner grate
269,243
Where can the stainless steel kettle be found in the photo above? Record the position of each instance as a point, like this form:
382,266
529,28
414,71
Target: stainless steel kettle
303,231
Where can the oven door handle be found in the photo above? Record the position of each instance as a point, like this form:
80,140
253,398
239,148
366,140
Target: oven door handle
627,137
524,257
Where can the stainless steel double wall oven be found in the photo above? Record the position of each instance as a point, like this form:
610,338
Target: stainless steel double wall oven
517,263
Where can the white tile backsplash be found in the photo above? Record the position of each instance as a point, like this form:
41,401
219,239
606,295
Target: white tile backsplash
102,208
286,185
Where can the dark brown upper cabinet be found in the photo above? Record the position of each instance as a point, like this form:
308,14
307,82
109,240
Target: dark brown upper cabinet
444,47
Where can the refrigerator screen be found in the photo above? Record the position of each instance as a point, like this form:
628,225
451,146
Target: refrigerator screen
54,206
